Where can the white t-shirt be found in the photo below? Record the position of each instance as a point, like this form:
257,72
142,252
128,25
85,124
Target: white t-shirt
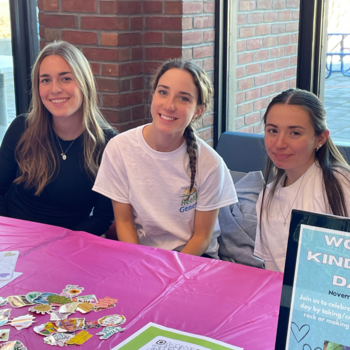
308,194
156,184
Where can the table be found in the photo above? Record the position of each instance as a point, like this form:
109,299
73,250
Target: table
233,303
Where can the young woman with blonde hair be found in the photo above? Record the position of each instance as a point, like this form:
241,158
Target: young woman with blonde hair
165,183
50,157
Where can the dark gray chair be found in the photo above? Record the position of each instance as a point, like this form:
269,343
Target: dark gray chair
242,152
344,150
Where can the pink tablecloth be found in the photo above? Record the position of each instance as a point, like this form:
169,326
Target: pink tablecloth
229,302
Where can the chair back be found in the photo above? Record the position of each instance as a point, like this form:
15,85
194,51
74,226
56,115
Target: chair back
242,152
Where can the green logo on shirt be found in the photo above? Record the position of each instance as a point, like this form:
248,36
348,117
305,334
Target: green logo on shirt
188,202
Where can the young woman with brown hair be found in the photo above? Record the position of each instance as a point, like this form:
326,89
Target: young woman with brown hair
166,184
310,172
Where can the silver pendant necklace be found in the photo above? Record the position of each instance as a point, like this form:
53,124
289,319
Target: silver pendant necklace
291,207
64,154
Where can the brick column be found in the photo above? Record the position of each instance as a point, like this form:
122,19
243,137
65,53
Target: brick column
181,29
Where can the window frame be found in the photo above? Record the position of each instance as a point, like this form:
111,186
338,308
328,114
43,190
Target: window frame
311,27
25,49
220,69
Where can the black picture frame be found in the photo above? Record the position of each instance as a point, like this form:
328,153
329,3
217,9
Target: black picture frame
298,218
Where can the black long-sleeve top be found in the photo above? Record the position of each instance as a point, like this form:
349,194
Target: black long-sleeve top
67,201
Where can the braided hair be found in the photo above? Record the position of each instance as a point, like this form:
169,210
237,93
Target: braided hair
192,146
205,90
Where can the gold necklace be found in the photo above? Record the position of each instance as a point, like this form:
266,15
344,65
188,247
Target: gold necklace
63,154
291,207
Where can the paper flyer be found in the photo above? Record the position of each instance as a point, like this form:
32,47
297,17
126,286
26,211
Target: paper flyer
8,262
15,275
320,308
156,337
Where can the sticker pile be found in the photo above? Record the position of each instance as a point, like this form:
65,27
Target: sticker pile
62,329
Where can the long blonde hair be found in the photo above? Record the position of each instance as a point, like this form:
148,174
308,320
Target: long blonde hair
35,153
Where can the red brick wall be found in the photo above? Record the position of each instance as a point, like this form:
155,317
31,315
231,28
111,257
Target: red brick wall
126,40
198,34
267,46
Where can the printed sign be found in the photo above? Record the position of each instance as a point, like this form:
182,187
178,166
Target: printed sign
319,312
157,337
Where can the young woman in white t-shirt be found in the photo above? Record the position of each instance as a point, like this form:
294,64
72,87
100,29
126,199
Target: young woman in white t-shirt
309,171
166,184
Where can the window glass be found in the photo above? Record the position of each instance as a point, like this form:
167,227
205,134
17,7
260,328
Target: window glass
7,94
263,38
336,88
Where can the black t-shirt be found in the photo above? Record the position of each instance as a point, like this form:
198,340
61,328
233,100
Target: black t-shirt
67,201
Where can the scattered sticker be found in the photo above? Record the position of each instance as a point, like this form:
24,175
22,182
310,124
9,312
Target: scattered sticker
70,325
56,316
58,339
86,298
41,309
45,329
22,321
4,301
18,301
97,309
79,338
5,312
65,326
68,308
58,300
4,334
79,322
92,324
112,320
85,307
105,303
13,345
42,299
109,331
72,290
31,296
4,316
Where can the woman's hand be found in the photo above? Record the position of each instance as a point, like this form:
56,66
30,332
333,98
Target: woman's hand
204,223
124,222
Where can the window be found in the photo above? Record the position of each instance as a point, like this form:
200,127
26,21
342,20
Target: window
7,93
335,84
265,54
262,58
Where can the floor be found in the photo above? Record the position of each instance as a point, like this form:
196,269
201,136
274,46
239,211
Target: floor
337,105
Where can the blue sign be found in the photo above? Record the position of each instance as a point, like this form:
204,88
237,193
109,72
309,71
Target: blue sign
320,306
